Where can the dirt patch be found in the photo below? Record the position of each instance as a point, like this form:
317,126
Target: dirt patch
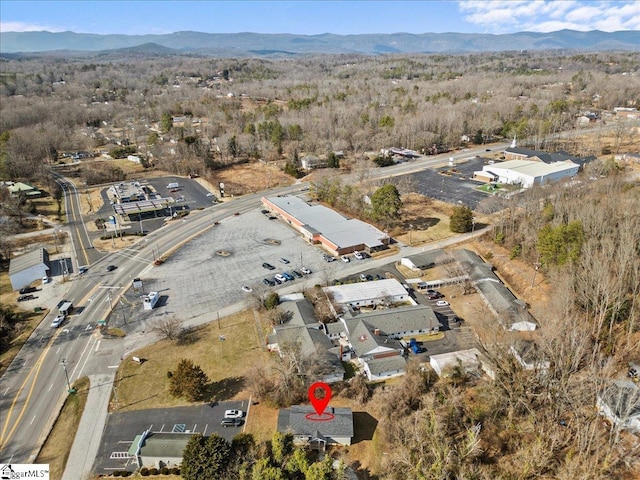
250,178
423,220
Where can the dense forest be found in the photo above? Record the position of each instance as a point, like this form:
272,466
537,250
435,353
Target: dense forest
198,115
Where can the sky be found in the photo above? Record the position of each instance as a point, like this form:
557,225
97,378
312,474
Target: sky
312,17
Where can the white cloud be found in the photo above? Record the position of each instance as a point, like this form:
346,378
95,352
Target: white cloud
549,15
27,27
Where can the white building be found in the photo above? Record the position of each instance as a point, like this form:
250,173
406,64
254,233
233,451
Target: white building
468,360
369,293
527,172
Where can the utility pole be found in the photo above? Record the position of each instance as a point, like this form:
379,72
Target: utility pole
66,375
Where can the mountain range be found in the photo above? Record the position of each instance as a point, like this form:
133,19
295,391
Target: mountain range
260,44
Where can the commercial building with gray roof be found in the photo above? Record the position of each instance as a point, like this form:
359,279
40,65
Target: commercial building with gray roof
28,268
510,311
321,225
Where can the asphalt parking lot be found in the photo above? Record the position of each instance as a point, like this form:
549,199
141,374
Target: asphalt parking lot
457,188
189,195
207,274
122,428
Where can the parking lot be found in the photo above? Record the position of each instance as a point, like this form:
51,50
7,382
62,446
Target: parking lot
455,188
207,274
122,428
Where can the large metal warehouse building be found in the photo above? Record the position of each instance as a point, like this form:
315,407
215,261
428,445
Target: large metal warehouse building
527,172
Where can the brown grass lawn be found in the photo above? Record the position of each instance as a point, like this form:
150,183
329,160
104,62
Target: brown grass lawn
57,447
225,362
26,327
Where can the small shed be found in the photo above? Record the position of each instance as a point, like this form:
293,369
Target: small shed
468,360
28,268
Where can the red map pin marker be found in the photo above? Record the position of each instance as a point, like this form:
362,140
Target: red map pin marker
319,404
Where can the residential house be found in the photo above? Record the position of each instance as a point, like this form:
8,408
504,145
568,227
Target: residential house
468,361
336,429
528,354
620,404
300,326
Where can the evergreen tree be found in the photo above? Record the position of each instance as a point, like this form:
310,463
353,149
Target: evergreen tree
461,219
189,381
386,204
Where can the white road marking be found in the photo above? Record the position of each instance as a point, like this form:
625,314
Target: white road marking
50,388
58,350
98,345
113,366
5,392
81,355
31,422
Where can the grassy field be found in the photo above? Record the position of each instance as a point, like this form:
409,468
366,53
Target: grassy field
57,447
224,361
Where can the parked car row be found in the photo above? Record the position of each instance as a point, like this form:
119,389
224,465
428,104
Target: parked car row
232,418
283,277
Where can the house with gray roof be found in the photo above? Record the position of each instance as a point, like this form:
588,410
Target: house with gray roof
300,326
336,429
375,337
29,267
529,355
620,403
323,226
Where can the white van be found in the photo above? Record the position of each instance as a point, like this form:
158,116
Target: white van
173,185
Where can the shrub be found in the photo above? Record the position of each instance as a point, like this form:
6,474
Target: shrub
144,471
153,471
125,473
164,471
175,471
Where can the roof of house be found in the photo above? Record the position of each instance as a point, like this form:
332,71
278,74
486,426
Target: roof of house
339,230
366,341
303,327
427,259
378,366
166,444
22,187
396,320
295,420
623,399
39,256
363,291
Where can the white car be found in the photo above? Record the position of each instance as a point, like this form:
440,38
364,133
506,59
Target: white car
281,277
345,259
233,414
305,270
45,280
358,255
57,321
246,289
442,303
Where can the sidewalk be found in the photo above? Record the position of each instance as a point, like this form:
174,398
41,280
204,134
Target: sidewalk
85,445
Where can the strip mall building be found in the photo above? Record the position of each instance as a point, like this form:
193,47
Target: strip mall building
318,224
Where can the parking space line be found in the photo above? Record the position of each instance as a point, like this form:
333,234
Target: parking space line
204,433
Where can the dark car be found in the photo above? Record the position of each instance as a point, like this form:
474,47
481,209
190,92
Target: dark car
264,211
328,258
24,290
379,277
24,298
297,273
277,280
269,282
268,266
231,422
111,268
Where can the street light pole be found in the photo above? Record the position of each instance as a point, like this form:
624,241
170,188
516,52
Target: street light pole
66,374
